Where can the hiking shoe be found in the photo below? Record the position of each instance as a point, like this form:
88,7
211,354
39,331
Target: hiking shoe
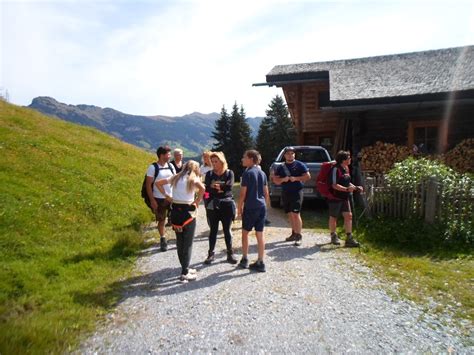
188,277
335,239
291,238
244,263
257,266
298,240
163,244
231,258
210,258
351,243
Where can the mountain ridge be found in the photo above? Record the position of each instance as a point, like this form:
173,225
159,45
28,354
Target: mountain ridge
191,132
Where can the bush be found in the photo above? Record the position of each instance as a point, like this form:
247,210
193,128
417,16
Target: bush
456,194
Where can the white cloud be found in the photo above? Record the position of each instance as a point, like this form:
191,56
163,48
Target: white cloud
173,58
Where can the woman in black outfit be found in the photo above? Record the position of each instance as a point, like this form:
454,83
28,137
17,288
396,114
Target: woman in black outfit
220,205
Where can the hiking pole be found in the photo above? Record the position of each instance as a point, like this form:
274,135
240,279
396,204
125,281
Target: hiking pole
351,203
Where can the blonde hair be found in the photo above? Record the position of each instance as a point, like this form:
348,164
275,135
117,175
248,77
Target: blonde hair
191,168
221,157
206,153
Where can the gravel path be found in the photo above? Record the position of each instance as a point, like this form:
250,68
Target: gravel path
315,298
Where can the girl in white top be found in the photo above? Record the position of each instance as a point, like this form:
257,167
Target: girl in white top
184,202
206,164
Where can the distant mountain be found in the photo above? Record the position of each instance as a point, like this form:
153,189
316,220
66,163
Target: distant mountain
191,132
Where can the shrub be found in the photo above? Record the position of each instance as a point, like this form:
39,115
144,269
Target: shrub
456,193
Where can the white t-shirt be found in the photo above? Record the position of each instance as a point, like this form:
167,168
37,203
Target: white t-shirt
180,191
164,173
203,169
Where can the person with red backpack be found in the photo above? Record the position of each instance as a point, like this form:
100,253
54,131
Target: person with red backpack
341,186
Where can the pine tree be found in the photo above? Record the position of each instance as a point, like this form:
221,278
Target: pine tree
275,132
221,133
264,145
240,139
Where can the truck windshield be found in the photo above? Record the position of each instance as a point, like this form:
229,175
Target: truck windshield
309,156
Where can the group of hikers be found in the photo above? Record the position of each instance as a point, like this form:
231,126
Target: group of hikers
176,188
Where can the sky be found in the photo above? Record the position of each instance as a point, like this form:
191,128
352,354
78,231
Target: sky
177,57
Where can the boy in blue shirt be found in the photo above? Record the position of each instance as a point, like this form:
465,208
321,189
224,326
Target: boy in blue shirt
252,207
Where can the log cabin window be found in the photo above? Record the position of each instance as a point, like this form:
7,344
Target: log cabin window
425,135
323,99
326,142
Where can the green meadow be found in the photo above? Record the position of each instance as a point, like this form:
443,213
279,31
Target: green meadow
70,218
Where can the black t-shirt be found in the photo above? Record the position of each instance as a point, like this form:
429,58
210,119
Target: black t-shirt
226,181
342,177
176,167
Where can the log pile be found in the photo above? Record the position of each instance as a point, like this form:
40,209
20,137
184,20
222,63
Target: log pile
381,157
461,157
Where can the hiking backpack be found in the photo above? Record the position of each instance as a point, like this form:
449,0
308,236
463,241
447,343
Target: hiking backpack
322,181
157,171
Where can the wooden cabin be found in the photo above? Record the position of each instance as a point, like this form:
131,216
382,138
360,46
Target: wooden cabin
421,98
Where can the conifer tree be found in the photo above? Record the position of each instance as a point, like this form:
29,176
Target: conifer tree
275,132
221,133
240,139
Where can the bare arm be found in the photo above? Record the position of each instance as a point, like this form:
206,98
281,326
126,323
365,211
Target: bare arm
149,191
201,189
267,195
159,185
243,194
302,178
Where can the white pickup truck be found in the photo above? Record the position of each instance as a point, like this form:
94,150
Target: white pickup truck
313,156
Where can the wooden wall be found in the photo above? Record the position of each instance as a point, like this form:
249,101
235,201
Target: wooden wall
387,125
309,120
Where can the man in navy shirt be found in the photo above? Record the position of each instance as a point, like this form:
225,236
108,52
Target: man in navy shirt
291,175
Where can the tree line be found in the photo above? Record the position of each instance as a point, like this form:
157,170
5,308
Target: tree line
232,134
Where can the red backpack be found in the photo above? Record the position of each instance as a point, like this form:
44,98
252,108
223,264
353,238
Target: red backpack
322,181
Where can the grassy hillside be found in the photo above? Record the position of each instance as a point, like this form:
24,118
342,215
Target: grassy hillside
70,213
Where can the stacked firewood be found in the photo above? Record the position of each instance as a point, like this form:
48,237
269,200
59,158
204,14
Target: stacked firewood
381,157
461,157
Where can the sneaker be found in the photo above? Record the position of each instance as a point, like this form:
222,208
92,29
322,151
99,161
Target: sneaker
210,258
231,258
335,239
298,240
163,244
351,243
244,263
257,266
188,277
291,238
192,271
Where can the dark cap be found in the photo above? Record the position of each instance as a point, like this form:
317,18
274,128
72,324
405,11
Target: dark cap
289,149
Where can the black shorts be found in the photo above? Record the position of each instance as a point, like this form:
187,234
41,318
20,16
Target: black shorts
336,207
292,201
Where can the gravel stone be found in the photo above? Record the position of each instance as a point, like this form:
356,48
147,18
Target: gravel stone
315,298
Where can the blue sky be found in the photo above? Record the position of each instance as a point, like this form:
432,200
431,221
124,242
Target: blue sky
176,57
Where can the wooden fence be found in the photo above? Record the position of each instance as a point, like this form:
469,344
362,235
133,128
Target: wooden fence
431,200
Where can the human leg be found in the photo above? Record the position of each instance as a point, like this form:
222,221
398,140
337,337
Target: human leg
244,261
160,214
187,246
226,219
213,221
